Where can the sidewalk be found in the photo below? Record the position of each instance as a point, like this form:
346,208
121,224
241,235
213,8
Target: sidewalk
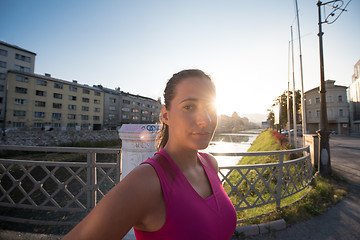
340,222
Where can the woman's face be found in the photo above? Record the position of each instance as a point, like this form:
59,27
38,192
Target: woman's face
192,116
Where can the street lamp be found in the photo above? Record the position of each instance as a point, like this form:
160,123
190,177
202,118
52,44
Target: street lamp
323,132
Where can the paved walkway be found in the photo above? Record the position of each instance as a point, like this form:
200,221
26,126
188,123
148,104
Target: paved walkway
340,222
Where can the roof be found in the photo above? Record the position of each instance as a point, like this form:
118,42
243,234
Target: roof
16,47
54,79
327,81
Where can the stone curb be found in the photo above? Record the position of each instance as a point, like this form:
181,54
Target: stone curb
256,229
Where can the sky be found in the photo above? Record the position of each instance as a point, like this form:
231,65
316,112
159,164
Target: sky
138,45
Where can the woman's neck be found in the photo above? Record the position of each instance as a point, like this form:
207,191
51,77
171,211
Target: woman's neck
184,158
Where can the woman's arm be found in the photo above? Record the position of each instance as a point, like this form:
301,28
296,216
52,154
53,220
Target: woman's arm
128,204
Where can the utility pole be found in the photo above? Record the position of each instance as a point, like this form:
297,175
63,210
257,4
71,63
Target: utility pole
303,109
288,96
294,94
323,132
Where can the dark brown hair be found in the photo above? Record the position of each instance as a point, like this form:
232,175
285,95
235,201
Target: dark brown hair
169,94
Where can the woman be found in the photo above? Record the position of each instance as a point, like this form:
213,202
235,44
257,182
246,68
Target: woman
177,193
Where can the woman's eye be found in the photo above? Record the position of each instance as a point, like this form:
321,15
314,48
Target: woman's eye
189,107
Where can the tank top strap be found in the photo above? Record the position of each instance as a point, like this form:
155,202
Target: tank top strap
208,160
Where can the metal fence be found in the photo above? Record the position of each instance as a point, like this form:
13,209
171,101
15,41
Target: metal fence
250,186
77,186
68,187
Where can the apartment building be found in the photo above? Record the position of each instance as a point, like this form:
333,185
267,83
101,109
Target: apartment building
124,108
336,105
139,109
12,58
354,99
42,102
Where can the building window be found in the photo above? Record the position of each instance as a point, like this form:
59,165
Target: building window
2,76
111,116
97,93
113,100
41,82
84,117
72,107
2,64
58,85
124,116
329,99
126,101
317,100
40,104
112,108
56,115
73,98
96,118
86,91
56,125
73,89
340,98
125,109
38,125
85,99
71,116
40,93
2,88
21,90
309,114
135,110
22,58
19,124
22,69
71,125
22,79
135,118
317,113
85,108
1,100
96,101
39,114
19,113
20,101
341,112
85,126
96,109
58,95
57,105
3,52
309,101
144,112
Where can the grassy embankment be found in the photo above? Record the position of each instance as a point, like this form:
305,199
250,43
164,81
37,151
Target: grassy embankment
309,202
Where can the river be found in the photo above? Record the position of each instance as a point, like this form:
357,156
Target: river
231,143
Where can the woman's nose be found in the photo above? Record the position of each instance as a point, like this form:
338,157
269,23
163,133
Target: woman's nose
204,116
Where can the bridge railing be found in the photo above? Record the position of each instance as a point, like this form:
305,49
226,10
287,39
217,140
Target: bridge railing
250,186
66,187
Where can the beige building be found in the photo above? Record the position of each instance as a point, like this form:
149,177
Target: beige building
354,99
42,102
12,58
337,109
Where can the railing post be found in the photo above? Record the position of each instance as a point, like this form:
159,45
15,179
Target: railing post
119,166
92,179
279,182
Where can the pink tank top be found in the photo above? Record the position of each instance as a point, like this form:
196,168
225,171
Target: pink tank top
188,215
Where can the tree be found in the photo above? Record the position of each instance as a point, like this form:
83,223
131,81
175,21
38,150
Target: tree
282,99
117,89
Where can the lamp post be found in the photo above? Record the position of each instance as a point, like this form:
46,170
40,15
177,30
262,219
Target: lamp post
323,132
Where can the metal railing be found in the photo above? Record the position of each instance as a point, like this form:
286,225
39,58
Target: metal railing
56,186
77,186
250,186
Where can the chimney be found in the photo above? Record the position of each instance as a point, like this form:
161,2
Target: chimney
47,75
74,81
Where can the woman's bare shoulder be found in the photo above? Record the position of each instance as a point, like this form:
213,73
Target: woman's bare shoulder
213,161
